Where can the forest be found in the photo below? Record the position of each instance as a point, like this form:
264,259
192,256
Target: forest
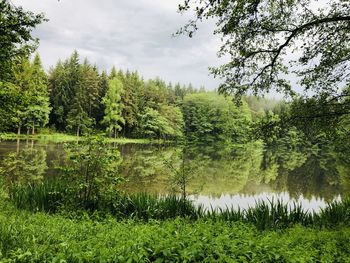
105,165
80,99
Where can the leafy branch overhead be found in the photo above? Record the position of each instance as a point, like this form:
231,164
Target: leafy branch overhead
266,40
16,40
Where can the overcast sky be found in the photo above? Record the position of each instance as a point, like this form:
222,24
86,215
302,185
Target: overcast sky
135,35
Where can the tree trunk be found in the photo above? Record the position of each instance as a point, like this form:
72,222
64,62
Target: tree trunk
17,145
19,130
183,178
33,131
78,131
115,133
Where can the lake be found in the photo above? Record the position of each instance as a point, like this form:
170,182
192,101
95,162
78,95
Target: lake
217,176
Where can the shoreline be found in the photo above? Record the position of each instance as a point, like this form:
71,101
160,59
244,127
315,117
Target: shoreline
62,137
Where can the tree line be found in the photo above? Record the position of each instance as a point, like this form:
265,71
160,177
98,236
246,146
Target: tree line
78,98
122,103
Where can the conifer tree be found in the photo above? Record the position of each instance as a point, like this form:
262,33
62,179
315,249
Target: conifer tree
64,85
30,86
113,73
37,113
102,90
78,119
132,84
89,82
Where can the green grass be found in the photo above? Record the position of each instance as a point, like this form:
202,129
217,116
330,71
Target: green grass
62,137
28,237
47,196
147,207
51,196
52,137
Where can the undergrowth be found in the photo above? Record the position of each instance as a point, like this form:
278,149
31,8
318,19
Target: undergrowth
40,237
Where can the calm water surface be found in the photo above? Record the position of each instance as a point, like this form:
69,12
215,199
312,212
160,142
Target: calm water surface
219,177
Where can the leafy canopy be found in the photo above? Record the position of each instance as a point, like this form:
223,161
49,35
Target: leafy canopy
268,39
16,40
113,119
211,118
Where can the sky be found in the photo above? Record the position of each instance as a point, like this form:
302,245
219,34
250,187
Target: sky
134,35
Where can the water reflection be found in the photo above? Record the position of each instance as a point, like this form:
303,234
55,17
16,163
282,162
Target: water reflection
244,201
24,165
221,176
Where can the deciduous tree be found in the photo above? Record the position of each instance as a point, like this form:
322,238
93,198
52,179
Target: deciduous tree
266,40
16,40
113,119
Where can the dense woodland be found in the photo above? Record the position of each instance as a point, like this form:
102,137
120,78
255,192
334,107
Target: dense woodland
79,98
76,97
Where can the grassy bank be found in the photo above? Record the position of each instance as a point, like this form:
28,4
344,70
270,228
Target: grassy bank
53,197
62,137
28,237
146,228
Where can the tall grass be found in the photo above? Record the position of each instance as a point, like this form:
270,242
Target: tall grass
47,196
51,197
145,206
266,215
335,213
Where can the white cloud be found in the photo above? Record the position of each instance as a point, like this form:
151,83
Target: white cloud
128,34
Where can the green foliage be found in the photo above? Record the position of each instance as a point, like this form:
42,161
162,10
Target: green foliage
157,93
335,213
11,109
89,82
24,167
167,123
88,190
147,207
260,35
68,94
260,104
38,237
91,173
26,100
16,40
77,117
113,108
78,120
122,102
47,196
131,100
211,119
174,125
37,113
180,172
320,114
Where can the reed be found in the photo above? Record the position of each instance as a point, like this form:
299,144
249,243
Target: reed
47,196
52,196
335,213
145,206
